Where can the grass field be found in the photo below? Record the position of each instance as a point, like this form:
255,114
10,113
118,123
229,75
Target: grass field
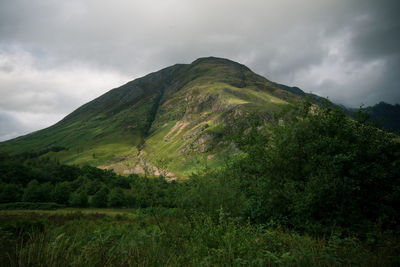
167,237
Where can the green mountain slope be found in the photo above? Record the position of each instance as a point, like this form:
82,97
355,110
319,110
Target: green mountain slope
170,121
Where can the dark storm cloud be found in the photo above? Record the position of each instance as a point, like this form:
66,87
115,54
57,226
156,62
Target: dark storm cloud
376,34
55,55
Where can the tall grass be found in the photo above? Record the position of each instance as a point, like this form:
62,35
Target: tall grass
170,239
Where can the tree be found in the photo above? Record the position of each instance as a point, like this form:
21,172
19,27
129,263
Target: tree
78,199
99,199
162,166
61,193
318,169
10,193
116,198
34,192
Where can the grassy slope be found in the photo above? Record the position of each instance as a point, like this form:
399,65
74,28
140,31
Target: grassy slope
189,126
177,114
106,128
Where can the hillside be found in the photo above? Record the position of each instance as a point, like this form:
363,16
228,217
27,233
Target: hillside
172,120
387,115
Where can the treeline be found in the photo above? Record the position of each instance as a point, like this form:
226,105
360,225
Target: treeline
32,154
316,171
42,180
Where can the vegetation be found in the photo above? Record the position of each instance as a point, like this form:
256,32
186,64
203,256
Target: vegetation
26,180
171,239
317,188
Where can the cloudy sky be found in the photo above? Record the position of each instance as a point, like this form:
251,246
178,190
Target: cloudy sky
56,55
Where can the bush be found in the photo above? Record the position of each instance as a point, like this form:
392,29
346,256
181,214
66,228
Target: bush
61,192
35,192
10,193
78,199
117,198
99,199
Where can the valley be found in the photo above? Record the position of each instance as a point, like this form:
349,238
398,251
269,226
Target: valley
199,164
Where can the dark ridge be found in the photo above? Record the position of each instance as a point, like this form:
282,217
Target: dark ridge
153,112
293,90
218,60
387,115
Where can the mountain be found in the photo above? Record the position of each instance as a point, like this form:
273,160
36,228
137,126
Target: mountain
382,115
387,115
172,120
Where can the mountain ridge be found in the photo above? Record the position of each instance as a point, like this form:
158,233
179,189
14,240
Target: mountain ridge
174,120
384,115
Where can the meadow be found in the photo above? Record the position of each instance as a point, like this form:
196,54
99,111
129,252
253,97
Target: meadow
167,237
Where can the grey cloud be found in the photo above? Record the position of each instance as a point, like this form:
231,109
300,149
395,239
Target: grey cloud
13,124
376,32
9,127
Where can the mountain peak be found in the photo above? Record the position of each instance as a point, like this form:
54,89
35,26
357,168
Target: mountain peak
217,61
178,112
212,59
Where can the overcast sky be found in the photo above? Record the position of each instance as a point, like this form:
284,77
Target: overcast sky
56,55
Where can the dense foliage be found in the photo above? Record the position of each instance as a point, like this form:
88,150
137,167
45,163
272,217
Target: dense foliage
318,169
315,172
26,179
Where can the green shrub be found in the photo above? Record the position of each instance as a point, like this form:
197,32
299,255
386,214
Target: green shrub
99,199
116,198
10,193
78,199
61,193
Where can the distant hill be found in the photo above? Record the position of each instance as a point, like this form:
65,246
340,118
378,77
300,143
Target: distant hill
387,115
383,115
